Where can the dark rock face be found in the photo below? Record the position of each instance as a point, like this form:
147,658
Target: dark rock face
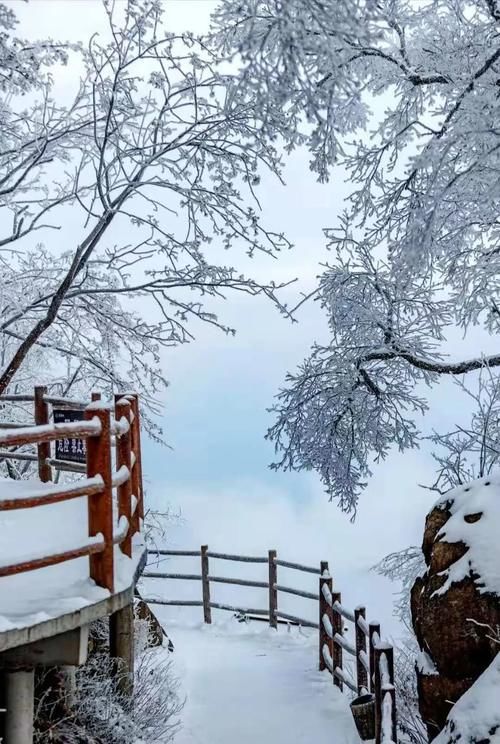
451,626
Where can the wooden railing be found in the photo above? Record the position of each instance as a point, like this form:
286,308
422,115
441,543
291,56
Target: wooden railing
108,474
373,658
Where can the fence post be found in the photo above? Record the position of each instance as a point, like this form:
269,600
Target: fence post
136,470
123,457
101,505
361,672
373,629
273,592
43,449
337,623
378,695
137,422
389,655
205,584
324,609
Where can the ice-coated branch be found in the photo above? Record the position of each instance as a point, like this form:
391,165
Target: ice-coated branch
158,159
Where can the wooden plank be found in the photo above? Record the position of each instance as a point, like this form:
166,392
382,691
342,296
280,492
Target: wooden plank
161,575
101,507
297,566
174,602
236,558
297,592
297,620
191,553
239,582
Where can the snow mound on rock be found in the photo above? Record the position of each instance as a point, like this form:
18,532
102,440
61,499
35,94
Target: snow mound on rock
474,521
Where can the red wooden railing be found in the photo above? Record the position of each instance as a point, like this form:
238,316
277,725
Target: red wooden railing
107,473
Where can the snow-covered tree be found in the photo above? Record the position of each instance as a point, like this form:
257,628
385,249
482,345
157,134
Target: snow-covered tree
405,97
117,207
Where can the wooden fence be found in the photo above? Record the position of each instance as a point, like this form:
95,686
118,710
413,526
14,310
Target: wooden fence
373,658
111,521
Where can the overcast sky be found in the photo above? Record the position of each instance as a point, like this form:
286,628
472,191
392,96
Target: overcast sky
215,410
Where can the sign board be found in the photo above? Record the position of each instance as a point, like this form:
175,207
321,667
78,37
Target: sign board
74,450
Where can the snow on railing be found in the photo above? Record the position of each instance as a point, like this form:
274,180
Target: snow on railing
373,673
104,483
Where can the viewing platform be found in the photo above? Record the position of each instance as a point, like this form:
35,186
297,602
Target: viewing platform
72,549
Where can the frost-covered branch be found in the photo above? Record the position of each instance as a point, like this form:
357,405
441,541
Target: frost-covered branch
159,162
404,97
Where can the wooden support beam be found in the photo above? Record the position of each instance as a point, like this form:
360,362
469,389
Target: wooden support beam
121,648
19,702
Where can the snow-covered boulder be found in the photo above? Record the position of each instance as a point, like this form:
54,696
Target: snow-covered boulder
456,603
475,719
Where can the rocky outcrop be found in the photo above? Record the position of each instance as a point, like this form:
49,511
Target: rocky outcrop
455,605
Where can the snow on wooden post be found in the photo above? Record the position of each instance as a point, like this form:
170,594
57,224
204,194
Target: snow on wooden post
273,592
124,459
101,505
377,652
373,632
389,655
41,418
337,624
205,584
137,467
361,672
137,423
325,610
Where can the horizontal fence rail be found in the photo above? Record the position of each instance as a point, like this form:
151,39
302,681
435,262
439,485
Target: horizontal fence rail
112,482
373,659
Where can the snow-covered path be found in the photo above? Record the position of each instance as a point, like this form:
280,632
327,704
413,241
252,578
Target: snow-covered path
248,684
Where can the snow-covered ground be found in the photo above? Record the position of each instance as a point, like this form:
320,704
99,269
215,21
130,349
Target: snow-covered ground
249,684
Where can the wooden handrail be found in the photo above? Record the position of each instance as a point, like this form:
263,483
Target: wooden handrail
91,548
53,494
53,400
297,566
50,432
